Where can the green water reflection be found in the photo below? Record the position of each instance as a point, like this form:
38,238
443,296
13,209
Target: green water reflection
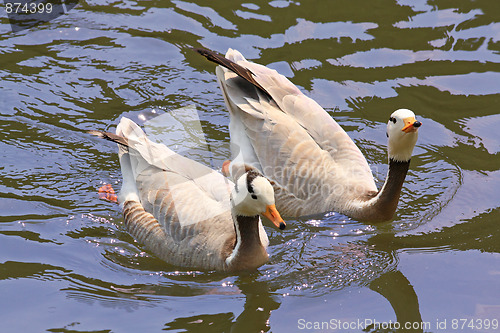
68,264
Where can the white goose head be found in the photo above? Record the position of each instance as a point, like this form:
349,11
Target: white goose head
252,195
402,131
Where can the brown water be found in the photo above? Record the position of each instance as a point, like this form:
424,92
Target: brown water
68,265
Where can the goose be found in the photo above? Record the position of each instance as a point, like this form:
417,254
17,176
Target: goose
313,164
188,214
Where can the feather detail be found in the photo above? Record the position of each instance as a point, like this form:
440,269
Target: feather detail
314,165
241,71
110,137
180,209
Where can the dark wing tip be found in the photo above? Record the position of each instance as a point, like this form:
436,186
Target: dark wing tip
214,57
203,52
239,70
110,136
99,134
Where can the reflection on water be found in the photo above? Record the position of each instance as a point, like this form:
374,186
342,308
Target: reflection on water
254,318
66,257
396,288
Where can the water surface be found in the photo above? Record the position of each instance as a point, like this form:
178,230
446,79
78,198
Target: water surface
67,263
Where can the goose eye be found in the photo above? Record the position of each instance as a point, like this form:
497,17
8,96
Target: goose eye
254,196
392,119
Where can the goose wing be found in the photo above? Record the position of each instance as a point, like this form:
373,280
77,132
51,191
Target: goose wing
161,174
178,208
288,135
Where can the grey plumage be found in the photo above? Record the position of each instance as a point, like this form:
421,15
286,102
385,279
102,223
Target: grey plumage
179,209
312,163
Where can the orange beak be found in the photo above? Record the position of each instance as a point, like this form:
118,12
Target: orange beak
411,125
272,214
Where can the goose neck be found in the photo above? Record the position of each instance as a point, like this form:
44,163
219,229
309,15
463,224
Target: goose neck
249,252
382,206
